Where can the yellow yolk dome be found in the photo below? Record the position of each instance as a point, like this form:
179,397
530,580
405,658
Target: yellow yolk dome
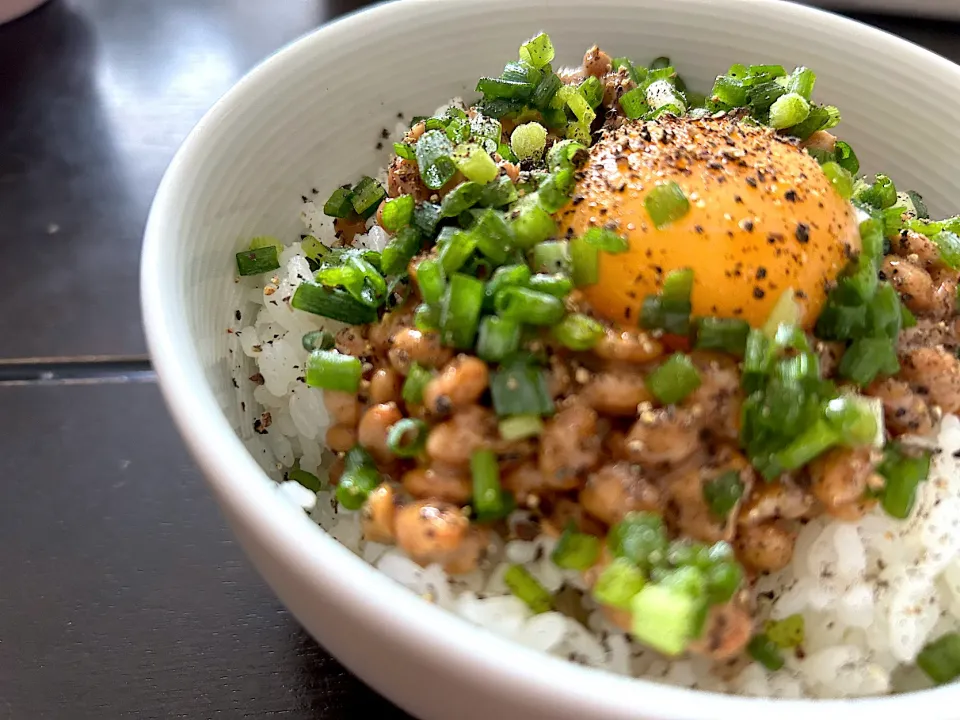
763,218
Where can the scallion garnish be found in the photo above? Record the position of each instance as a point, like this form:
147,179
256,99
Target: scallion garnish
318,340
307,479
526,587
329,370
903,472
670,310
400,250
407,438
537,51
426,317
531,223
606,240
584,262
617,585
494,235
940,659
840,178
674,379
413,386
640,538
723,493
498,338
498,193
339,204
360,478
666,203
475,163
576,550
333,303
666,618
527,306
554,192
949,245
786,633
556,284
258,260
866,358
765,652
397,212
519,427
463,197
550,257
456,251
519,387
430,279
405,151
460,311
487,491
788,110
503,277
366,196
578,332
433,151
728,335
634,103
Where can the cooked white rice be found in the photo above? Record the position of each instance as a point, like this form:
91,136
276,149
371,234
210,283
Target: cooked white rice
873,593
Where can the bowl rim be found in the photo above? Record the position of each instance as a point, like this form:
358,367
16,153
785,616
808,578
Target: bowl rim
296,542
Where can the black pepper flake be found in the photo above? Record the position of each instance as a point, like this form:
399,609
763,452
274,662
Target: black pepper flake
747,225
790,196
698,229
314,191
803,232
801,294
237,315
761,273
384,133
751,181
737,199
379,146
243,406
758,293
235,384
303,198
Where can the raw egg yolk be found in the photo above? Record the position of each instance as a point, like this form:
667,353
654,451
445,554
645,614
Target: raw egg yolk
762,218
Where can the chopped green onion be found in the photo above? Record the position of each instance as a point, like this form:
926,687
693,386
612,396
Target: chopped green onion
462,197
584,262
503,277
498,338
618,584
556,284
413,386
634,103
640,538
335,304
339,204
854,420
566,154
367,196
670,311
578,332
577,103
528,140
359,479
456,251
666,618
554,192
785,312
821,117
919,206
460,311
307,479
881,195
867,358
519,427
949,245
526,587
729,91
433,159
487,492
841,180
592,91
329,370
725,334
258,260
665,204
801,81
903,473
538,51
400,251
550,257
494,235
532,224
674,379
520,388
543,95
318,340
425,218
397,212
765,652
847,159
313,249
427,318
475,163
407,438
813,441
606,240
498,193
940,659
786,633
430,279
575,550
788,110
660,63
405,151
524,305
723,493
723,579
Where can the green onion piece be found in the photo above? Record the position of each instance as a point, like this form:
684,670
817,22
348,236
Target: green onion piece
723,579
841,180
521,72
329,370
788,110
485,128
427,318
662,97
682,553
550,257
460,312
785,312
397,212
538,51
665,204
723,493
318,340
523,305
413,386
433,159
577,103
503,277
636,74
501,89
366,196
618,584
430,279
606,240
307,479
566,154
640,538
462,197
674,379
543,95
313,248
257,261
356,485
262,241
400,251
801,81
940,659
665,618
816,439
729,91
660,63
728,335
498,193
332,303
592,91
854,419
528,588
520,388
405,151
528,140
634,103
520,427
487,492
475,163
578,332
458,130
425,218
532,224
882,194
765,652
339,204
919,206
949,245
786,633
494,235
456,251
575,550
847,159
554,192
407,438
584,262
556,284
498,338
867,358
903,473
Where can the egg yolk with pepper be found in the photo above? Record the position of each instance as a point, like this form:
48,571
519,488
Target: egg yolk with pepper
762,218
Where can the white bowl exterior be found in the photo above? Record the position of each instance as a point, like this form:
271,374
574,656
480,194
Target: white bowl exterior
310,117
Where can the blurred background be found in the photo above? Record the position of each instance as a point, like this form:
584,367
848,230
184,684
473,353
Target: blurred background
121,592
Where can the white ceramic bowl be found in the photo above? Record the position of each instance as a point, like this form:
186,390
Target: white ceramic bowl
310,116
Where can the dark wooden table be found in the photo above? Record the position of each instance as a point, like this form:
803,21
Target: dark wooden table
121,592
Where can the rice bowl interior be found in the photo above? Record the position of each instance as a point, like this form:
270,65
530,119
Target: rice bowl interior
835,578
